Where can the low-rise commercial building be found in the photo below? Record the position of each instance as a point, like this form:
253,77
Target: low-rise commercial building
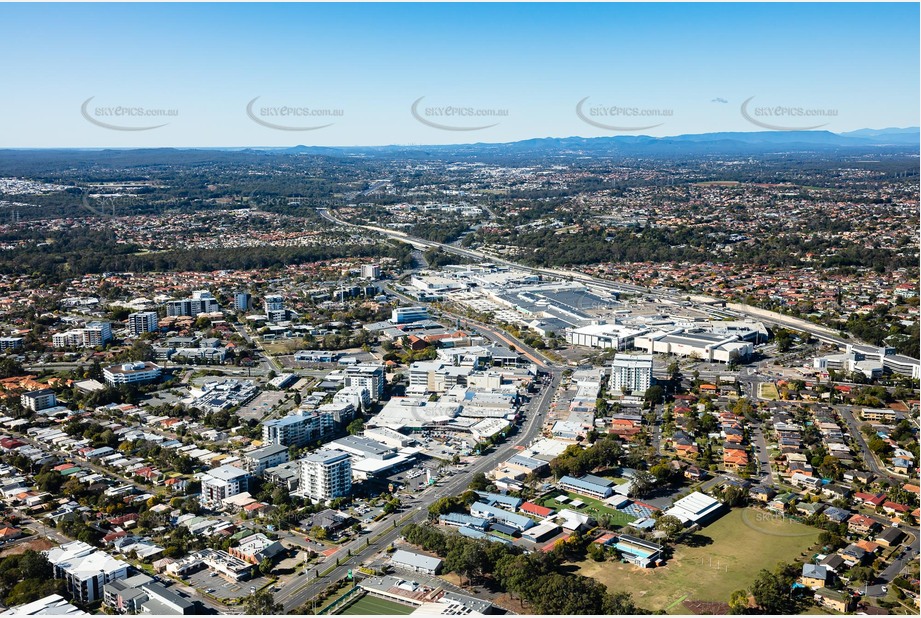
418,563
256,548
139,372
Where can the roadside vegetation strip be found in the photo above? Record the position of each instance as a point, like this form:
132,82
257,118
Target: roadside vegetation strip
401,521
342,601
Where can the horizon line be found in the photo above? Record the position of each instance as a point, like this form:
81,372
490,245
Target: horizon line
416,145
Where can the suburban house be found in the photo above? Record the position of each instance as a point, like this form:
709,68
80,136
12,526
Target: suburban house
815,576
871,500
779,502
861,524
835,600
890,537
761,493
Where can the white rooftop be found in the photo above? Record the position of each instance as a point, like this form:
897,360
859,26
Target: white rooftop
694,507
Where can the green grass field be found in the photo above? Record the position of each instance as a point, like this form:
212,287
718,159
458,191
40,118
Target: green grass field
740,544
591,507
766,390
369,605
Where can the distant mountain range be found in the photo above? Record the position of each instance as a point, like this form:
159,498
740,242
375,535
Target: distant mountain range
702,143
740,143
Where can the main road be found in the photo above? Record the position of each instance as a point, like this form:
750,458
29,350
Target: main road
306,585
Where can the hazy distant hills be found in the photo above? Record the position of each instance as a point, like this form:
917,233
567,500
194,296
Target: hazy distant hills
639,145
862,141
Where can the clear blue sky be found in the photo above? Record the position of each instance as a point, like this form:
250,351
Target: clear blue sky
372,61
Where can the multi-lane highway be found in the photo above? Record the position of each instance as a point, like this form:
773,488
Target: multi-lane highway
734,311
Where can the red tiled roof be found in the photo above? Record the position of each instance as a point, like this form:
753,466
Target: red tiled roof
535,509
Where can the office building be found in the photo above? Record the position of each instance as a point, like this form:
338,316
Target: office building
143,322
631,373
405,315
139,372
325,475
370,271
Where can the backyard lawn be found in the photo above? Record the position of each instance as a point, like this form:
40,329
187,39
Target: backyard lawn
740,544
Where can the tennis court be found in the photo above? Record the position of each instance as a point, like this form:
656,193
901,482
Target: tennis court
373,606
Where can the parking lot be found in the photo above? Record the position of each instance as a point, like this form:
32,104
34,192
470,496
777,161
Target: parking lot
261,405
208,582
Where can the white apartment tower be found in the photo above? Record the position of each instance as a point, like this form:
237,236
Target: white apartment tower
142,322
326,474
275,308
631,373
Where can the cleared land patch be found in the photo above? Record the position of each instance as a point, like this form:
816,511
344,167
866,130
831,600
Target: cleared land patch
726,557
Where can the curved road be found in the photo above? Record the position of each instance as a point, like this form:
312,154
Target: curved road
737,311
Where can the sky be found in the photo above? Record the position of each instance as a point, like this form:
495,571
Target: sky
233,75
